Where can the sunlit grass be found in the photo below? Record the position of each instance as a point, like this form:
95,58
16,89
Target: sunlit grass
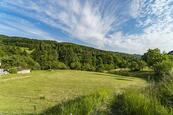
44,89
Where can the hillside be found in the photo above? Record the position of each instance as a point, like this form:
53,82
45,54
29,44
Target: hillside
32,43
47,54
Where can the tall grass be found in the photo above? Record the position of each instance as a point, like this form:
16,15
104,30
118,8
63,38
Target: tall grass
136,103
163,90
83,105
156,99
129,102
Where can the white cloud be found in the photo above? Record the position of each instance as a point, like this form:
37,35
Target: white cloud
135,8
156,19
98,23
24,27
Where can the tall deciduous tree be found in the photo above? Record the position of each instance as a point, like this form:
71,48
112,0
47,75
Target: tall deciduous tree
153,56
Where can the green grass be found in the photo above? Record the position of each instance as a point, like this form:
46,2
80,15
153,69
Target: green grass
136,103
82,105
40,90
148,74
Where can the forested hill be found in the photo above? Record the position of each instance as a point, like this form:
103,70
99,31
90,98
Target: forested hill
31,43
46,54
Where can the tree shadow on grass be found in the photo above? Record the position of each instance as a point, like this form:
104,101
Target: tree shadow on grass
117,77
128,75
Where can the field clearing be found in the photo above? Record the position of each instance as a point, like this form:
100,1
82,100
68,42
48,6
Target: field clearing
40,90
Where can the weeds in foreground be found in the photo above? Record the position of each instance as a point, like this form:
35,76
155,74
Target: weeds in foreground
129,102
156,99
84,105
136,103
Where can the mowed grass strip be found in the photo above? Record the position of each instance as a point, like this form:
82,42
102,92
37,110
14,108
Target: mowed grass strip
44,89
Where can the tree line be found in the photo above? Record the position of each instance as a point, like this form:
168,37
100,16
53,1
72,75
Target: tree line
45,55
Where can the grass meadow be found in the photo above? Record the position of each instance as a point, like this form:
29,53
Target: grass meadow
39,91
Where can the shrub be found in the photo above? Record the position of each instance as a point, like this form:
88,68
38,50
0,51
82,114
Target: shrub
61,65
57,65
32,64
54,65
35,66
100,68
12,70
134,66
137,65
164,90
88,67
108,66
75,65
163,69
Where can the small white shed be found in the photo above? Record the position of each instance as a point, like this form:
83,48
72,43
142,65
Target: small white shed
24,71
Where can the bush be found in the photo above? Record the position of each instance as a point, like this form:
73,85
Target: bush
137,65
58,65
75,65
12,70
35,66
163,69
88,67
61,65
32,64
134,66
164,90
100,68
108,66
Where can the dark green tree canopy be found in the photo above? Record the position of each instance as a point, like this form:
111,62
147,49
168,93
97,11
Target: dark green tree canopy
153,56
45,54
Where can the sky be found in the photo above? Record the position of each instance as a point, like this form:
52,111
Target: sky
130,26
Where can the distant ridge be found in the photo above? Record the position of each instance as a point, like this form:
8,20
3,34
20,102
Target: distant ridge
16,39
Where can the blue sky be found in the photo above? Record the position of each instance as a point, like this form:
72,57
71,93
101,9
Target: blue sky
131,26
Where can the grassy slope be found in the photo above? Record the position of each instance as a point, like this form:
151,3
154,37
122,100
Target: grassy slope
42,89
